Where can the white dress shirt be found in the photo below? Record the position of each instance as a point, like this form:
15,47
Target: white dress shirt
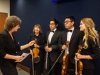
69,35
51,35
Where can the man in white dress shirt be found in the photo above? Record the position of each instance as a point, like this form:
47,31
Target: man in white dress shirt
52,47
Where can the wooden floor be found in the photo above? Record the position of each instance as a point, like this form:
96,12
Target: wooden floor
20,72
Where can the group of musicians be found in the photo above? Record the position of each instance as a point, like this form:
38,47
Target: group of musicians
56,49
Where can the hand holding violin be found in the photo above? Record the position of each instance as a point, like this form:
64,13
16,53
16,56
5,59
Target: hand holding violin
36,45
78,56
64,47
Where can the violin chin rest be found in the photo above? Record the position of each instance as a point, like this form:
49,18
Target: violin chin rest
36,59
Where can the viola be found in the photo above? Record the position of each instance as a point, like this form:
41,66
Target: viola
65,62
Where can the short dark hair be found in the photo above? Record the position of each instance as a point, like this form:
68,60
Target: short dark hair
11,22
71,18
55,20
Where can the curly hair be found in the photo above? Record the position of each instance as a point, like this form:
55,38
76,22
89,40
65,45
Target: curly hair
90,31
11,22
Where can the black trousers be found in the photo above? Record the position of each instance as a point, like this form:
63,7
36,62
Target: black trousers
71,70
9,70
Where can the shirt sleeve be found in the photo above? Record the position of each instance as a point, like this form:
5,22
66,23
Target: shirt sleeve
95,49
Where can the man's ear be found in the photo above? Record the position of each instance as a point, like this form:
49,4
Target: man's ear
73,22
56,25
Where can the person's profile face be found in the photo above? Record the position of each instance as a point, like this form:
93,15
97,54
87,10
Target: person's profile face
68,23
52,25
16,28
36,29
82,26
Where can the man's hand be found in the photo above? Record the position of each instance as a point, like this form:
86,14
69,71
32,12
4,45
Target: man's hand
64,47
48,49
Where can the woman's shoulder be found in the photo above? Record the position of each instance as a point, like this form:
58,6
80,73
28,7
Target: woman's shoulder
92,41
32,34
3,37
4,33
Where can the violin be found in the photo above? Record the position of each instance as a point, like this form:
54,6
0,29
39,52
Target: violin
65,62
35,51
79,63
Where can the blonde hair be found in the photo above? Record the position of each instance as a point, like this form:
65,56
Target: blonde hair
37,25
90,31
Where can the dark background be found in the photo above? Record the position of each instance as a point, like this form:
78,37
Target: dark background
40,11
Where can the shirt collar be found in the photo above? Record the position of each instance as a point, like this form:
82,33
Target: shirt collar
54,29
72,29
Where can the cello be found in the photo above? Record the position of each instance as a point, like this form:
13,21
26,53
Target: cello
78,64
65,62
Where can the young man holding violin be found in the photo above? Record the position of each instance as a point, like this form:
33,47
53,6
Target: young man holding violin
74,36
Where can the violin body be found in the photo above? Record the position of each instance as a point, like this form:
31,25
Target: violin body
80,67
65,62
65,65
35,51
79,64
36,56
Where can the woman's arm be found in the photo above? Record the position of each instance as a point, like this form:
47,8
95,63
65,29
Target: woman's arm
79,56
27,45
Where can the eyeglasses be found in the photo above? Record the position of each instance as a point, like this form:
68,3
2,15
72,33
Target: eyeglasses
52,24
66,22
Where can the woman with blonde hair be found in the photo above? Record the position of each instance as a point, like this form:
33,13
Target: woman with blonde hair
37,63
90,46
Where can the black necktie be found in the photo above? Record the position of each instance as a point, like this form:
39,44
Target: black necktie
69,30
